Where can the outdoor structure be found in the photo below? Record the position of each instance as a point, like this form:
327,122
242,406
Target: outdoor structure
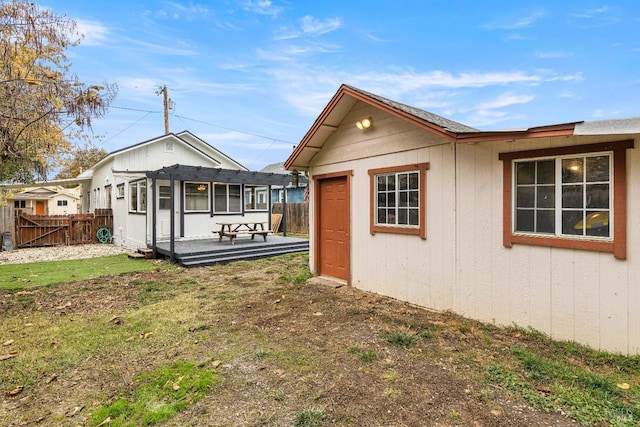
537,227
174,187
295,192
47,200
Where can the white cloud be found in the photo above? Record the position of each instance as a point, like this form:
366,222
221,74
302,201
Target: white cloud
261,7
310,26
514,23
592,13
505,100
94,33
313,26
186,11
552,54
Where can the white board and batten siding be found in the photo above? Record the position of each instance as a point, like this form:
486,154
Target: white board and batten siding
404,267
583,296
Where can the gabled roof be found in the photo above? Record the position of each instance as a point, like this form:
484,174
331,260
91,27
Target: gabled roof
347,96
42,193
185,137
435,119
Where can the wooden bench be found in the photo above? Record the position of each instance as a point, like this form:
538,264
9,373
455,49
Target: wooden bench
233,234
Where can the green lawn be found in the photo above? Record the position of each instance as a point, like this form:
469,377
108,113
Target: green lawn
22,276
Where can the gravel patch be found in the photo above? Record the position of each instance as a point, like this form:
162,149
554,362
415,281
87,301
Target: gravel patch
55,253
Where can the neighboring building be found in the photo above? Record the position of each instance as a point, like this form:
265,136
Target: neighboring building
295,193
47,200
194,185
537,227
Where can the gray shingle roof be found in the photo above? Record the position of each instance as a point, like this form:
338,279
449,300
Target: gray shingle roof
443,122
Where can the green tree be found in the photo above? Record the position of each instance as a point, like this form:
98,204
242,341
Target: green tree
43,105
79,159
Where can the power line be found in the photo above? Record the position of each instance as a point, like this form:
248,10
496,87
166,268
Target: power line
235,130
197,121
131,125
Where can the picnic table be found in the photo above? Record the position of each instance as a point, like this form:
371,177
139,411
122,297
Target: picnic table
233,229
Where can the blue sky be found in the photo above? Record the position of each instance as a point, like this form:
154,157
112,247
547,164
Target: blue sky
251,76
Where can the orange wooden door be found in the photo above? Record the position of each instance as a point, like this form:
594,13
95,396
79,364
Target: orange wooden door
334,228
39,207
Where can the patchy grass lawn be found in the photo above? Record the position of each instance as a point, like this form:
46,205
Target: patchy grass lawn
252,344
23,276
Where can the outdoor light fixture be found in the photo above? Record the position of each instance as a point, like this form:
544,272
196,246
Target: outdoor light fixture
364,123
202,187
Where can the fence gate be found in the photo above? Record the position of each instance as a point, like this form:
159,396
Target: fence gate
53,230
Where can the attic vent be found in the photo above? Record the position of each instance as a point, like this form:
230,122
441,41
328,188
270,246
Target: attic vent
168,146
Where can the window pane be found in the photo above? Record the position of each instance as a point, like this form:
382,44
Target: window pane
234,198
382,216
391,200
598,169
382,182
404,199
164,197
598,196
414,198
546,196
133,197
220,197
413,180
524,220
382,200
249,198
403,218
525,173
196,196
572,222
143,196
546,172
525,197
262,196
545,221
597,224
572,196
572,170
414,217
403,181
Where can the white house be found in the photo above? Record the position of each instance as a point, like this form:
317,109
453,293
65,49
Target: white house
175,186
537,227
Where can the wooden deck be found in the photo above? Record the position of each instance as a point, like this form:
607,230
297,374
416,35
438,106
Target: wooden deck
202,252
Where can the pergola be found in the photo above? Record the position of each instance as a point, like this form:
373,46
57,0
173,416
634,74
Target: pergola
198,173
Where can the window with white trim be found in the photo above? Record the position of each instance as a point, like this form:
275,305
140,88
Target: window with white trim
138,196
196,196
564,196
572,197
398,199
255,198
107,194
227,198
164,197
120,191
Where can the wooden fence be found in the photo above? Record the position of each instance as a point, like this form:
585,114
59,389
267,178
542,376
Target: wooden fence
54,230
297,217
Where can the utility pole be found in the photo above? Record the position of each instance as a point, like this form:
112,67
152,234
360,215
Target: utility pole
166,101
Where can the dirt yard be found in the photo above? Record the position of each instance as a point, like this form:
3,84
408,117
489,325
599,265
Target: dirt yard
280,347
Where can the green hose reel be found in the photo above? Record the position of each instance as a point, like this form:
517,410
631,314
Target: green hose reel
104,235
